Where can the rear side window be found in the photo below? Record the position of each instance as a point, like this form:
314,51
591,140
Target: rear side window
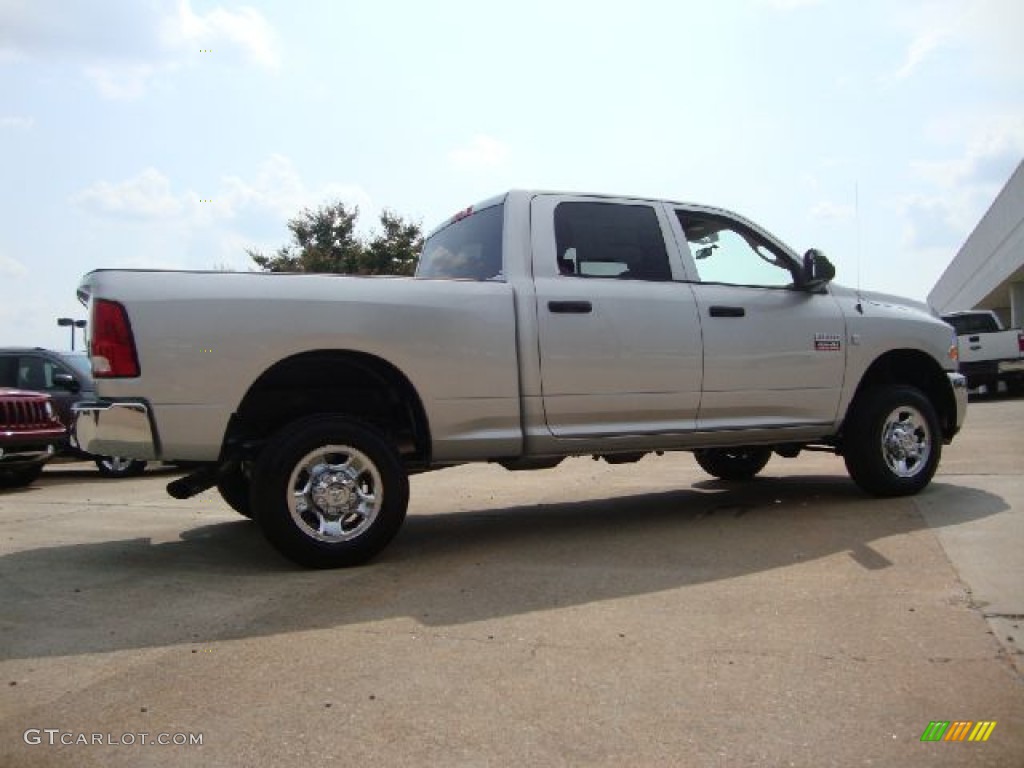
467,248
610,240
965,324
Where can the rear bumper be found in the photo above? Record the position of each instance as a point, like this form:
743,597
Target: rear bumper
116,428
990,370
958,385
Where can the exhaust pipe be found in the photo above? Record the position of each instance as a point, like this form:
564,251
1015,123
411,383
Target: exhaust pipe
194,483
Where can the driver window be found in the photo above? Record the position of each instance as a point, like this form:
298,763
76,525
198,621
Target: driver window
725,251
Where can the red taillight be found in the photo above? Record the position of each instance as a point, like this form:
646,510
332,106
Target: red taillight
1020,343
112,348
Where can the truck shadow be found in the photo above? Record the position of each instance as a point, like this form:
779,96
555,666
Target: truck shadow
222,581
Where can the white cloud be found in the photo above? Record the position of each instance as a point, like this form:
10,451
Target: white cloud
147,195
993,150
277,188
936,222
11,267
245,29
481,152
920,48
986,30
122,49
963,188
17,123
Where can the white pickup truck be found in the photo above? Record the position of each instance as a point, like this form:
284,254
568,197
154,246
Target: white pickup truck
538,326
988,352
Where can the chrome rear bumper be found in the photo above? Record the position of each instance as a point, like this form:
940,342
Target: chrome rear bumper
116,428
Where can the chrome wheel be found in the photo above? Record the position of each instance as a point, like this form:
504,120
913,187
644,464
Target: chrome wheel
116,464
335,494
906,441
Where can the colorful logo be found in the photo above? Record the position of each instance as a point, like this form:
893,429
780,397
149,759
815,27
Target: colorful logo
958,730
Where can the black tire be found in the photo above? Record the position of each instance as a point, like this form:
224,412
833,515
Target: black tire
892,442
233,485
353,463
1015,387
117,466
19,477
733,464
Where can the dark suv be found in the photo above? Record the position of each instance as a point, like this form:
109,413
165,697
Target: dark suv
67,378
30,434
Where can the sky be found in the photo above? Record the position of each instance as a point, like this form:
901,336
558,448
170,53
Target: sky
179,133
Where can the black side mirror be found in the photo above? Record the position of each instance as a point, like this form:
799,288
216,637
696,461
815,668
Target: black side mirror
66,381
818,270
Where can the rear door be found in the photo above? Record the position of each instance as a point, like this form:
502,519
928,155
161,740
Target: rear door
774,354
619,337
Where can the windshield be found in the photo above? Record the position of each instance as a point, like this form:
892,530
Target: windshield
467,248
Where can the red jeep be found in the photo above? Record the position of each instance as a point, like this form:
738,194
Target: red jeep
30,434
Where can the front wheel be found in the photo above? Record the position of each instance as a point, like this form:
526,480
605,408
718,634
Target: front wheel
734,464
893,443
329,492
118,466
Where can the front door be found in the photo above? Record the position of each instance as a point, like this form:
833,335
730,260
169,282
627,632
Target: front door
774,354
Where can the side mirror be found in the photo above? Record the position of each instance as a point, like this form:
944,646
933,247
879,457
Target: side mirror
66,381
818,270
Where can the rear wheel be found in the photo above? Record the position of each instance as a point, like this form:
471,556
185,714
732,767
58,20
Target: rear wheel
18,477
118,466
892,444
329,492
233,485
735,464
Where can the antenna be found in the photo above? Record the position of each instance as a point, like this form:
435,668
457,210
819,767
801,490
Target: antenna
859,306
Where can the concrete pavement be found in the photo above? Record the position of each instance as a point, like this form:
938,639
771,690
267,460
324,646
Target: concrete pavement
587,615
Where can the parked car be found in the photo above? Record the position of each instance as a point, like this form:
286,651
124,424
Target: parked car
67,378
989,353
30,435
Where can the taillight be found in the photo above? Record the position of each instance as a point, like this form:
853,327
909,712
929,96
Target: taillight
112,348
1020,343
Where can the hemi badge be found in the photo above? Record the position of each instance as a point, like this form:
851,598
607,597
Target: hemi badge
827,342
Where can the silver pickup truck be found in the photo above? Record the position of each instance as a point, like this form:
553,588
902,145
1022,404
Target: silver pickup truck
538,326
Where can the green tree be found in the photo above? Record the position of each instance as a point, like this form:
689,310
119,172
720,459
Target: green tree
324,240
394,250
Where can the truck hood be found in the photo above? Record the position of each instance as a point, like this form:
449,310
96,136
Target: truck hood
886,301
